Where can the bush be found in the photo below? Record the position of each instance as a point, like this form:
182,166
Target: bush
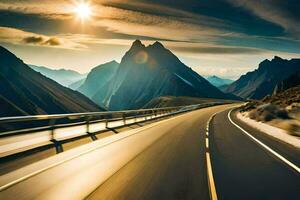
268,112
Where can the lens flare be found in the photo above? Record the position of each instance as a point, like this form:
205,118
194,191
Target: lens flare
141,57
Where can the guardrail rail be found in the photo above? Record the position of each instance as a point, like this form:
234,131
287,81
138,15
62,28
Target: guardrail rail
19,134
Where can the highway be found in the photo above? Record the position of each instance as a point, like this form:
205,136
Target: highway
243,169
190,156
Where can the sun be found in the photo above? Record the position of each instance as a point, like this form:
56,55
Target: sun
83,10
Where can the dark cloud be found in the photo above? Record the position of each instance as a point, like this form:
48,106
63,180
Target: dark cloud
218,50
39,40
236,19
33,40
285,13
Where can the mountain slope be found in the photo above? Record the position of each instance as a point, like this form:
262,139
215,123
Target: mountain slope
29,92
77,84
217,81
291,81
149,72
62,76
262,81
97,78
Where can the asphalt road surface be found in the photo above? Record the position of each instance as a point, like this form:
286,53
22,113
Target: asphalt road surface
164,160
243,169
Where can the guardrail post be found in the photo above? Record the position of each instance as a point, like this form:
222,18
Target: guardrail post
124,118
92,135
106,123
57,144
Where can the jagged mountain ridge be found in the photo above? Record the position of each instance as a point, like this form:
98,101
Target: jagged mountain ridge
29,92
262,81
149,72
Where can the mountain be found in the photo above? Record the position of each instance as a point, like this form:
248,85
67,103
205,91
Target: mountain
98,78
77,84
290,82
218,82
262,81
149,72
62,76
24,91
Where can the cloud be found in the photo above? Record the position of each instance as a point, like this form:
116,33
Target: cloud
218,50
151,25
33,40
283,13
39,40
20,37
49,8
128,18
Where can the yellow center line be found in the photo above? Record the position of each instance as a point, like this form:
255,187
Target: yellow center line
211,182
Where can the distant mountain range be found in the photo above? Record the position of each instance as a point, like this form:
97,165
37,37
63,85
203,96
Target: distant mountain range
262,81
149,72
62,76
24,91
219,82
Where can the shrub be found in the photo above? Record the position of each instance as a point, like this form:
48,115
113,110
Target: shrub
268,112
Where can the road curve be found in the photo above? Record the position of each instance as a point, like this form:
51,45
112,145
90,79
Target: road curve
164,160
177,158
244,169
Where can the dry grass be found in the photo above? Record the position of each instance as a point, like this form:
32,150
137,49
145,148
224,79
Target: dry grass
292,126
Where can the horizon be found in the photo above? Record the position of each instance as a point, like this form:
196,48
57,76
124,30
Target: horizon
226,38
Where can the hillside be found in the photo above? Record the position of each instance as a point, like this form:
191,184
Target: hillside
26,91
98,78
170,101
149,72
262,81
292,81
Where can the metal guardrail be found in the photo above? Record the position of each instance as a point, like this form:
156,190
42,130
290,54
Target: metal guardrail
18,134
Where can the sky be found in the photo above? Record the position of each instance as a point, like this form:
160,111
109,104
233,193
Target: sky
217,37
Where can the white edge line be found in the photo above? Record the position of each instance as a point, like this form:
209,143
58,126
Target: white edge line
292,165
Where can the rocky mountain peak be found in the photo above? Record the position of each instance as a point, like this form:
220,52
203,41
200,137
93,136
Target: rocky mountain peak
137,44
158,45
